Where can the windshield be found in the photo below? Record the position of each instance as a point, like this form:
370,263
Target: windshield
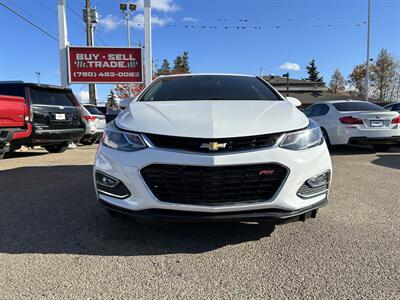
356,106
93,110
209,87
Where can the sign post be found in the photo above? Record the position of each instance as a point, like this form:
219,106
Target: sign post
63,41
105,65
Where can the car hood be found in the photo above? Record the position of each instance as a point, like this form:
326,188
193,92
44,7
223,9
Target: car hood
211,119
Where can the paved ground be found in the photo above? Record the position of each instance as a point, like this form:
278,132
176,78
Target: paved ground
56,242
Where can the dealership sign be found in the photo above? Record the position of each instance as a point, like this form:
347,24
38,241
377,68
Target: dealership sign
105,65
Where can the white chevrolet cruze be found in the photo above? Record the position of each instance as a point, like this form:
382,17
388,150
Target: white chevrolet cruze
213,147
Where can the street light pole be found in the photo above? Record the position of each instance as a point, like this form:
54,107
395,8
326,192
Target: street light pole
287,83
38,77
127,10
368,47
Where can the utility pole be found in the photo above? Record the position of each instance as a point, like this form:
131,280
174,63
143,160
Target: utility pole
62,41
147,43
287,83
368,46
89,17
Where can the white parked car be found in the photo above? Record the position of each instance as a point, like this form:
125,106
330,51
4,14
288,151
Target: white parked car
356,122
213,147
95,122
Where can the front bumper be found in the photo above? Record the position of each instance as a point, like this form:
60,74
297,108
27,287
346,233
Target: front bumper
277,216
126,166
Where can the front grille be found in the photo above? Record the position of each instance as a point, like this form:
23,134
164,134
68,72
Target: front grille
229,144
225,185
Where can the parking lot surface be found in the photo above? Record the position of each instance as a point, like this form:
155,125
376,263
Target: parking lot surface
57,242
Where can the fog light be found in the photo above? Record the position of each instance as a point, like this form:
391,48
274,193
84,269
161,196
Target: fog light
315,186
105,180
319,180
111,186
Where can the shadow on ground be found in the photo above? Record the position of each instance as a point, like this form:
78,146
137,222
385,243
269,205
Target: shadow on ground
54,210
357,150
388,160
18,154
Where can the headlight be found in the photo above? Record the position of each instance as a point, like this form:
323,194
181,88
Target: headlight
304,139
122,140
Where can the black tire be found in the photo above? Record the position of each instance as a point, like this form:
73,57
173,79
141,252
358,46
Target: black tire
381,148
88,142
59,148
10,153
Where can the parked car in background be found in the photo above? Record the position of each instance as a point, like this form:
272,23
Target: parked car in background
95,123
55,115
393,107
109,112
14,121
213,147
356,122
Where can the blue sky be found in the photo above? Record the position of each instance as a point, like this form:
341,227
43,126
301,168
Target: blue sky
333,32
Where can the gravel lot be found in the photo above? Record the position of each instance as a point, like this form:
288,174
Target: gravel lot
57,243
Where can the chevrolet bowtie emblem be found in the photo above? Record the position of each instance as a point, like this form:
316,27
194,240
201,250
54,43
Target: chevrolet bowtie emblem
213,146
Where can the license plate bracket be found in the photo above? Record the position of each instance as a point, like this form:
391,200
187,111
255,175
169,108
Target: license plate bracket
60,117
376,123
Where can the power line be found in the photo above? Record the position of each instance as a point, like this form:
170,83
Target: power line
28,21
30,15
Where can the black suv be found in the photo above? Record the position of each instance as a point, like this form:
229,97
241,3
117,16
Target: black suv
55,115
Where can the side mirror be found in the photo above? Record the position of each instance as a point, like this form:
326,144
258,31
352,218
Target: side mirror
124,103
296,102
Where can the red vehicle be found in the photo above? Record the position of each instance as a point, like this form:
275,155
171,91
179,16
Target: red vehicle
15,123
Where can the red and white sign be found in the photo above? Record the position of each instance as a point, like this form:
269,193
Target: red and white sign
105,65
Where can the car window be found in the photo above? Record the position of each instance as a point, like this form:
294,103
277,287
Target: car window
51,97
210,87
323,110
395,107
12,90
356,106
93,110
307,111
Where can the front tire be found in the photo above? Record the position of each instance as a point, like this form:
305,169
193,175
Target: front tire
381,148
59,148
88,142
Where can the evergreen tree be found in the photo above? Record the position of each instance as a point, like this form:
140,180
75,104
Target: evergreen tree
313,73
337,84
111,99
165,68
178,65
185,62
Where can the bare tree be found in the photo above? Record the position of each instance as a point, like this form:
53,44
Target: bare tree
337,84
357,78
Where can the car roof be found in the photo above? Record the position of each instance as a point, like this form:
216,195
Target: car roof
40,85
339,101
203,74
